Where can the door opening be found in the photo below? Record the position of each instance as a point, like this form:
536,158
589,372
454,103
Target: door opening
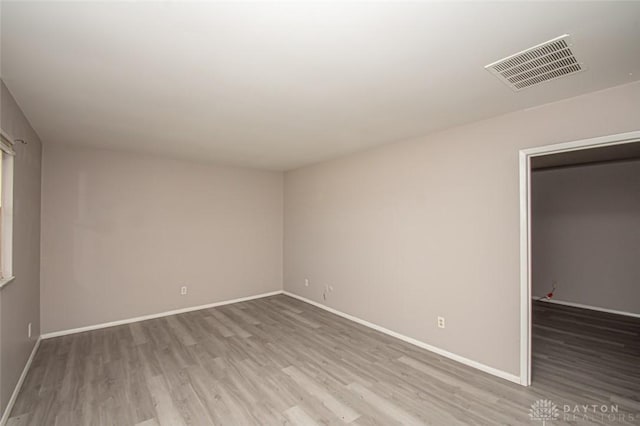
580,151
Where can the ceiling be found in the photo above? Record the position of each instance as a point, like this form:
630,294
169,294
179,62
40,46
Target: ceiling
281,85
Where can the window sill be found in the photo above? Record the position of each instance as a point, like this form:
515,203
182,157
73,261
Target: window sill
5,281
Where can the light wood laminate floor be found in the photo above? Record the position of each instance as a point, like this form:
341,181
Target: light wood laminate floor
281,361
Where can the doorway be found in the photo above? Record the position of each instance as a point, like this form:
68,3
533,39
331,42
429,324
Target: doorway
578,151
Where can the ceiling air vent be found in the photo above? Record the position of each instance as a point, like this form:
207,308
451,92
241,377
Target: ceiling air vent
547,61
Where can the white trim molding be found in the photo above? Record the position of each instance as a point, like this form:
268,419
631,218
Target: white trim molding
7,142
6,215
525,156
157,315
455,357
466,361
525,270
6,281
590,307
16,390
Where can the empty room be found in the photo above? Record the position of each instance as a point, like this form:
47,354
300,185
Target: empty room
585,208
319,212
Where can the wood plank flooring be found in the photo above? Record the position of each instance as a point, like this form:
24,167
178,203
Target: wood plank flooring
279,361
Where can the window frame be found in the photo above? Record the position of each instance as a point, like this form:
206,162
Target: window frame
6,214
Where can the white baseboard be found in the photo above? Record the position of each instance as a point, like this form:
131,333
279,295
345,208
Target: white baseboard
593,308
158,315
482,367
16,390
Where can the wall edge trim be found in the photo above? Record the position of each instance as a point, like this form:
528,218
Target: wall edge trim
18,387
590,307
156,315
466,361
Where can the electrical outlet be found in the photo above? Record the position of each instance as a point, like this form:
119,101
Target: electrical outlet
306,282
29,331
440,322
327,289
183,290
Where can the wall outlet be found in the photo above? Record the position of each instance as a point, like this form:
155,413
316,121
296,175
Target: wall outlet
327,289
306,282
183,290
29,331
440,322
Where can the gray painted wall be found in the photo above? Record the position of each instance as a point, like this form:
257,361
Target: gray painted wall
122,232
430,227
586,234
20,300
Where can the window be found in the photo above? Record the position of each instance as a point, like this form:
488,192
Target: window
6,208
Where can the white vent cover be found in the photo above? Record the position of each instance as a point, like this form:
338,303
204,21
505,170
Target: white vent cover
547,61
